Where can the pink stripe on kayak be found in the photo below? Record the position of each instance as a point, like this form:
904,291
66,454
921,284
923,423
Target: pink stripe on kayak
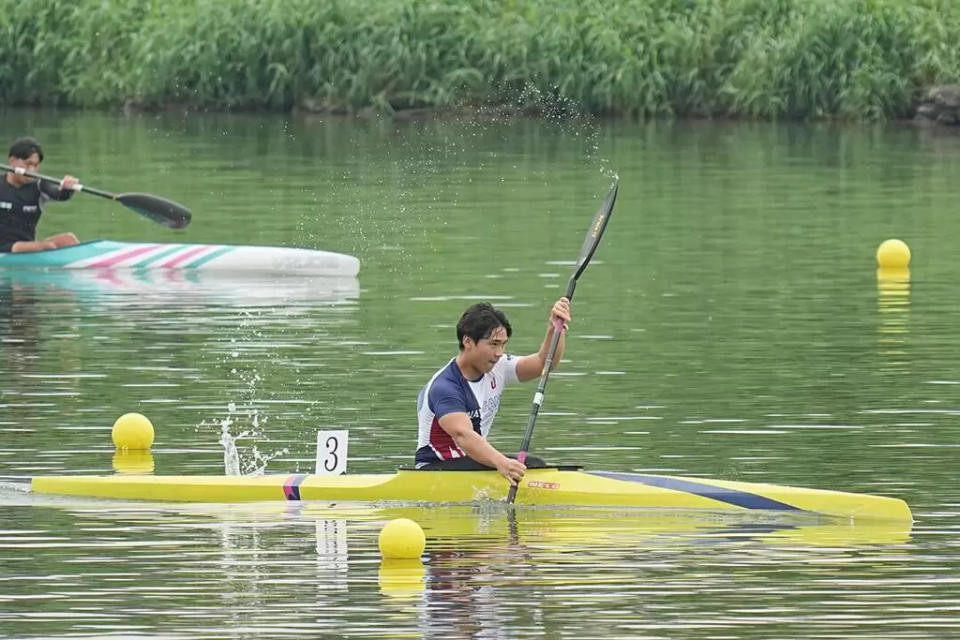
120,257
184,256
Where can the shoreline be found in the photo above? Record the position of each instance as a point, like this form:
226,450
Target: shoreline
481,114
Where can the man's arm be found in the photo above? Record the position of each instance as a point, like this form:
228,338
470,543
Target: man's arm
64,191
460,428
531,366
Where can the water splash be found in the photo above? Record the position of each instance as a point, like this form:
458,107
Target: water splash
258,464
231,457
253,462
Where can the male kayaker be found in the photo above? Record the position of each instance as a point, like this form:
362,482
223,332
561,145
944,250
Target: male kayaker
457,407
22,200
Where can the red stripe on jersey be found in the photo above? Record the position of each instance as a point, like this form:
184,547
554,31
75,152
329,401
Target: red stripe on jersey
443,443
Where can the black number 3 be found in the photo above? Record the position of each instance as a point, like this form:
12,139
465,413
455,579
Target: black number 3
332,444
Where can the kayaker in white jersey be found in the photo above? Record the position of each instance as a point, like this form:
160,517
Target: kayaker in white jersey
457,407
22,200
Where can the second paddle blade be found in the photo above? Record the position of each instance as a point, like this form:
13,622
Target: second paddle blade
160,210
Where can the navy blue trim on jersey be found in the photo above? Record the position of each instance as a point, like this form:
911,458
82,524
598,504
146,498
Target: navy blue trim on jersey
450,393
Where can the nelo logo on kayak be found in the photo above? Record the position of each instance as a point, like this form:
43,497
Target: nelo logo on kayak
286,263
538,484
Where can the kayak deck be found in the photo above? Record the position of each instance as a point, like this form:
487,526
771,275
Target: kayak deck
550,486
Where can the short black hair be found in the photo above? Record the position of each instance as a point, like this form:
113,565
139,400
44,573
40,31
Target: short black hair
25,147
479,321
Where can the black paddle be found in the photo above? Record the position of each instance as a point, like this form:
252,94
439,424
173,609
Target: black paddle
590,243
160,210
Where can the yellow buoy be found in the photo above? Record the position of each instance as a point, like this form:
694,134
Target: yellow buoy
132,431
402,538
893,254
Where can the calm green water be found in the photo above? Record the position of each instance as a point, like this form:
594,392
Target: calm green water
732,326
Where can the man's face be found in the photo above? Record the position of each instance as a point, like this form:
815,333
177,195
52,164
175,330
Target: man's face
30,164
485,353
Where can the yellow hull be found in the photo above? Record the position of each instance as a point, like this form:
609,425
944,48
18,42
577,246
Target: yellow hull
539,487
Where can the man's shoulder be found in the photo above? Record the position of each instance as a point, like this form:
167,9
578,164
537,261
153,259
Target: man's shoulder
444,393
27,193
446,378
6,189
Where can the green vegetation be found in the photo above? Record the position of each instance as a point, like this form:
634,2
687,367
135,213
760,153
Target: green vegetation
855,59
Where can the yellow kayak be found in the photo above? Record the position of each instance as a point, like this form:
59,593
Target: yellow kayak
550,486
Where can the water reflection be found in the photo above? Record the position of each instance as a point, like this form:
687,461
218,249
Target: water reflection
311,566
402,578
333,555
18,324
133,462
893,305
166,287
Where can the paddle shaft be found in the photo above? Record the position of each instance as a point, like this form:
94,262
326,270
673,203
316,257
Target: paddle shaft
541,388
590,243
39,176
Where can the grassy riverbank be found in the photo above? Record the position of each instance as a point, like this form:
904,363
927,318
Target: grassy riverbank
854,59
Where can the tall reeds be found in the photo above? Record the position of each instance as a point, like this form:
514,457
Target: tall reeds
856,59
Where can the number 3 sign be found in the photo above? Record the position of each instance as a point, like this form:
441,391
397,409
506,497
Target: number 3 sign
331,453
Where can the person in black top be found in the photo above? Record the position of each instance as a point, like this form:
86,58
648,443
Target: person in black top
22,200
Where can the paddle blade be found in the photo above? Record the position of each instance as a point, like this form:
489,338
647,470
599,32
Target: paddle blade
160,210
597,227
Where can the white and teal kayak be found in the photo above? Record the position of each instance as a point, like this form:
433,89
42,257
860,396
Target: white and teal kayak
212,258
